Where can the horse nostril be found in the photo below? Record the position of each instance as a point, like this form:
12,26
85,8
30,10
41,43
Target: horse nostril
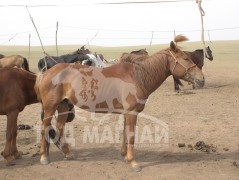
200,82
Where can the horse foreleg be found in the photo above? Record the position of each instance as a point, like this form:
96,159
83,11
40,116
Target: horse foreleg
123,145
45,140
130,125
11,134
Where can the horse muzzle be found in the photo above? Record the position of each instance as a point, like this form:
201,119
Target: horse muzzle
199,83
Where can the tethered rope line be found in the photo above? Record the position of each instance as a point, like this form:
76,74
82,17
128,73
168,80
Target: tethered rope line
111,30
31,18
142,2
81,4
11,38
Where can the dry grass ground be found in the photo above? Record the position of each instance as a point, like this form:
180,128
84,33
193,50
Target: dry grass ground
209,114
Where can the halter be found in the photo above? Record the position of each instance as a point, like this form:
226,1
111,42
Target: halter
177,62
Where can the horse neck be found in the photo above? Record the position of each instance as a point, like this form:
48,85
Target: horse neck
69,58
198,57
152,72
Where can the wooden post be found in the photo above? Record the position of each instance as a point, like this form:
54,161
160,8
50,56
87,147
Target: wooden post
56,37
29,47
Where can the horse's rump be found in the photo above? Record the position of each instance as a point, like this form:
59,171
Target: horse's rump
14,61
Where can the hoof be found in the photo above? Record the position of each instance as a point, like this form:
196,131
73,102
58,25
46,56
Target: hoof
135,166
123,151
18,155
126,159
10,161
69,156
136,169
44,160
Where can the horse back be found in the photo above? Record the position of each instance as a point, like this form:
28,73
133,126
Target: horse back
11,61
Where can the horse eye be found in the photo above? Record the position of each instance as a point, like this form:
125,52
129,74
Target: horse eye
186,59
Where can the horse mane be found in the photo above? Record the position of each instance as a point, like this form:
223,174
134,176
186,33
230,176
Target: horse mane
140,51
148,70
127,57
81,50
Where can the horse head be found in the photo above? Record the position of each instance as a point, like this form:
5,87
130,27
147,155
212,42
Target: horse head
82,50
181,66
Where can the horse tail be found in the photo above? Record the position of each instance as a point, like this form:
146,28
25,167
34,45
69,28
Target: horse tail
36,87
25,64
40,64
180,38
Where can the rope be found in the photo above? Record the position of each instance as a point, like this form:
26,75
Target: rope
44,52
31,18
202,13
151,40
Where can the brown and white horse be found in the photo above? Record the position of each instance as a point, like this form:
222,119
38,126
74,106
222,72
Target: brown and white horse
121,88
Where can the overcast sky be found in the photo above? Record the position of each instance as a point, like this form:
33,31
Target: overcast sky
115,25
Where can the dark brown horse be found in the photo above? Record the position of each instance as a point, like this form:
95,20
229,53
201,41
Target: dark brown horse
121,88
16,92
197,57
76,56
14,61
134,56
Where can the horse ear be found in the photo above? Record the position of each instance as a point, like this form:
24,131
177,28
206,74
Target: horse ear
173,46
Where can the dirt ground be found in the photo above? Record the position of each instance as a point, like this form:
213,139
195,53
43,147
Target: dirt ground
209,114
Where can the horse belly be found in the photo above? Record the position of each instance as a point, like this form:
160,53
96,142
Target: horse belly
105,96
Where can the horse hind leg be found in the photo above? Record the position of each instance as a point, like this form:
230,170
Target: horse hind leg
63,111
46,129
10,148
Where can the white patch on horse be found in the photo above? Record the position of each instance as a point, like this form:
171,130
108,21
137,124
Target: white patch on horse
91,87
100,61
93,59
